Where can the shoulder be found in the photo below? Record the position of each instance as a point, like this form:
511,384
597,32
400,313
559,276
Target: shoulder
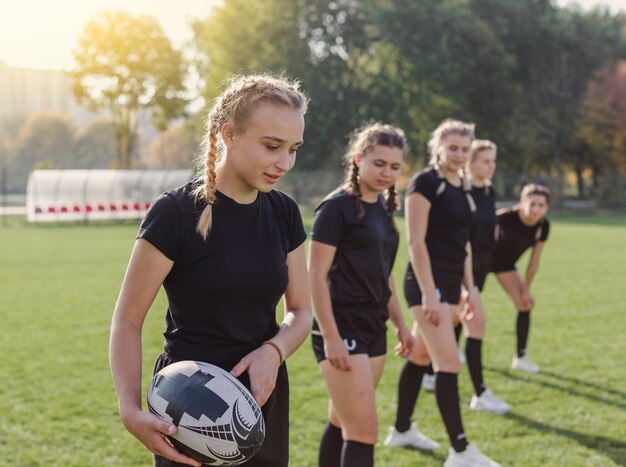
424,181
181,200
335,199
281,203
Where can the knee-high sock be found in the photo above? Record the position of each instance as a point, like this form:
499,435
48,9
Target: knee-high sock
522,327
457,331
355,454
447,393
408,390
330,446
473,352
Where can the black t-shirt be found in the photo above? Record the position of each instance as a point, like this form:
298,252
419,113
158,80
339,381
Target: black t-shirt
366,250
515,238
482,232
449,220
222,293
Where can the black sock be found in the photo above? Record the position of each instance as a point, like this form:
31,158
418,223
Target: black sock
447,393
330,446
355,454
429,369
473,352
408,390
522,328
457,331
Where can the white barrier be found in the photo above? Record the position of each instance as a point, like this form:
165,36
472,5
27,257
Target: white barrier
83,195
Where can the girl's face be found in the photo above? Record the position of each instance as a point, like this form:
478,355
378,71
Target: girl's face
484,165
379,168
534,208
265,150
454,151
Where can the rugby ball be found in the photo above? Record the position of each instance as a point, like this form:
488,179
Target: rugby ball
218,420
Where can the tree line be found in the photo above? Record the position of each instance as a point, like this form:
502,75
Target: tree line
547,84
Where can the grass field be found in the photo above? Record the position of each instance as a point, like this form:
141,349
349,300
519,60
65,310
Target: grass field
58,285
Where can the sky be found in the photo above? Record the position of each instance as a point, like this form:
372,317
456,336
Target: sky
41,33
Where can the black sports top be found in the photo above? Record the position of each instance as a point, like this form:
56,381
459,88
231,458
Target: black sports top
449,220
515,238
482,232
222,293
366,249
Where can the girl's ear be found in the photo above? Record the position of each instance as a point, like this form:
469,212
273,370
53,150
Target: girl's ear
358,158
227,131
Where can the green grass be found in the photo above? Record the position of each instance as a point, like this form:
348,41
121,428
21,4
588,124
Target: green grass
58,285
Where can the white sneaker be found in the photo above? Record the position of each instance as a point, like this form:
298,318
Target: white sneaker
488,402
412,438
524,364
462,358
469,458
428,382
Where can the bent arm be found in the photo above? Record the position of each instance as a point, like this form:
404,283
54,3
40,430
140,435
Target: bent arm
533,265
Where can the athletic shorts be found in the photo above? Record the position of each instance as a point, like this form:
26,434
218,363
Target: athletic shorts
447,283
275,449
481,267
363,331
501,265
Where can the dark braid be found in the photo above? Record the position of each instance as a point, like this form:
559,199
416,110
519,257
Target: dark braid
353,188
391,202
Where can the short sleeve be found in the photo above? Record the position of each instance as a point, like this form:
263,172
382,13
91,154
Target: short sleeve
328,223
161,226
545,230
424,183
298,234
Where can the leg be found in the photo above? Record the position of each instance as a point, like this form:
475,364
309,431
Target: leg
404,433
353,402
332,441
513,284
441,344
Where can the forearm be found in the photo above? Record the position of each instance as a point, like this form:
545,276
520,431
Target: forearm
420,262
468,269
531,272
125,361
322,304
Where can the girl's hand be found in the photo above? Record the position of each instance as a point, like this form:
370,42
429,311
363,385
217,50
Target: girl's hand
262,365
406,342
473,306
151,431
337,354
528,299
432,309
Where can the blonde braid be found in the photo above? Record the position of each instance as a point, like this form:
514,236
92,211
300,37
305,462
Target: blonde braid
210,177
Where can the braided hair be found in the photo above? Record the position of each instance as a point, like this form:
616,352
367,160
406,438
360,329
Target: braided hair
236,104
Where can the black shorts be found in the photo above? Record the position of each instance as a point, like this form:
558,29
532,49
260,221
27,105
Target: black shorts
275,449
501,265
447,282
481,267
363,331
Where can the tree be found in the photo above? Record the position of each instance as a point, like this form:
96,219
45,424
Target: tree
94,146
45,139
309,40
126,64
175,148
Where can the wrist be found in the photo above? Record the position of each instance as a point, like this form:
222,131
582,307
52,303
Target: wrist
281,355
